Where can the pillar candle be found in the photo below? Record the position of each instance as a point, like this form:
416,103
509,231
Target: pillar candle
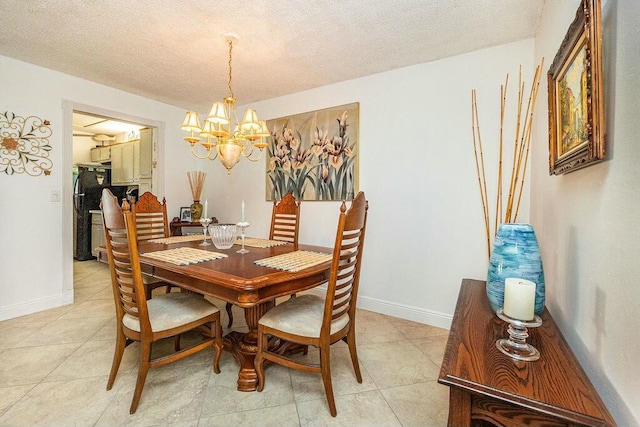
242,211
206,205
519,298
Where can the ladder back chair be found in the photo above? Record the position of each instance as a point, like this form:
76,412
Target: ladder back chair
148,321
285,220
285,223
310,320
150,217
151,220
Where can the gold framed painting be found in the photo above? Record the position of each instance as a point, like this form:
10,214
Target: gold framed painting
576,116
314,155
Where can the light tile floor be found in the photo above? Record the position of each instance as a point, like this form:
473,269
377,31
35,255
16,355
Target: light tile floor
54,367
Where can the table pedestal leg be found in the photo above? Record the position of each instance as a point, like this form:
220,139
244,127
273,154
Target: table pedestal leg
244,347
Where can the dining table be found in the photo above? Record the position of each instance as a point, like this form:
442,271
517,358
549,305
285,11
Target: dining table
236,278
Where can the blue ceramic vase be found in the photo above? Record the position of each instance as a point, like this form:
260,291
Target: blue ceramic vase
515,254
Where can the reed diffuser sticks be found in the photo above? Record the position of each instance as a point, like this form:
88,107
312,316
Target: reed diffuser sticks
196,182
505,211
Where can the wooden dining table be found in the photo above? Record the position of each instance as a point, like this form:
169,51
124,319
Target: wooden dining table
238,280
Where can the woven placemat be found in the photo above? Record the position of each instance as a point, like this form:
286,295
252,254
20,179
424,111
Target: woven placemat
294,261
184,256
254,242
177,239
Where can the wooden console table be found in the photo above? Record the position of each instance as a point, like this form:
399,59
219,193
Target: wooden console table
487,386
176,225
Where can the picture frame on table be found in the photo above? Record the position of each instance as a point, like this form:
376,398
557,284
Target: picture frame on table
185,214
576,116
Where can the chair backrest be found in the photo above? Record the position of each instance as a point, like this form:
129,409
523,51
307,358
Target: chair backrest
342,289
150,217
285,219
124,261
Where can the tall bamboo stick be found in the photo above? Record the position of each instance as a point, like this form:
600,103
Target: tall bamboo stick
516,149
536,84
521,150
480,172
484,180
503,101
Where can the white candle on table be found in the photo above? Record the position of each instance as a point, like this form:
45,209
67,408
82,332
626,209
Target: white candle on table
206,205
519,298
243,211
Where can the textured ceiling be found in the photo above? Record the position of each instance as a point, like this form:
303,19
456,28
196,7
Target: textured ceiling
173,51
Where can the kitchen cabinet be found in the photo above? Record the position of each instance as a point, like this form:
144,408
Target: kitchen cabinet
122,164
144,185
136,160
101,154
144,155
95,154
132,162
97,232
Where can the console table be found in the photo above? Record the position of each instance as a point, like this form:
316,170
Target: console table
487,386
176,225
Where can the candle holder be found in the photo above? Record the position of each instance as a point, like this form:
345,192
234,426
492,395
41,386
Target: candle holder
243,226
205,223
516,346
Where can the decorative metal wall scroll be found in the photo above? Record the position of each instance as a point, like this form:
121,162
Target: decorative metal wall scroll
24,145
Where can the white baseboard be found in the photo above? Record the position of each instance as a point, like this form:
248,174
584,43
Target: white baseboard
12,311
407,312
402,311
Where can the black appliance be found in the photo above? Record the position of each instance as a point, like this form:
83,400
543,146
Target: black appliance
89,181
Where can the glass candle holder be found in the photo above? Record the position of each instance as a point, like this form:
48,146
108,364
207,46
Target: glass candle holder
516,345
242,225
205,224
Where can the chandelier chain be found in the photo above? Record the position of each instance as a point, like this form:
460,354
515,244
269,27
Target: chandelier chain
230,49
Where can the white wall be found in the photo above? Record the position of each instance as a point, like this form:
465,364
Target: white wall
36,258
425,230
587,221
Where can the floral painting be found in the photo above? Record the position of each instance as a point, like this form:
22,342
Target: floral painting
314,155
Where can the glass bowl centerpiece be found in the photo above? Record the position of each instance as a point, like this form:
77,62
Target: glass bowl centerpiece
223,235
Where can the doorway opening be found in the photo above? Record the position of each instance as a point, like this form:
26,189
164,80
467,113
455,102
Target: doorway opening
104,150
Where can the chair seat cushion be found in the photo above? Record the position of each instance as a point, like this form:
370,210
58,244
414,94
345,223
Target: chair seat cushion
172,310
301,316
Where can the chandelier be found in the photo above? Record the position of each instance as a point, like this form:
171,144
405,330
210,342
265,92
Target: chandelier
224,138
